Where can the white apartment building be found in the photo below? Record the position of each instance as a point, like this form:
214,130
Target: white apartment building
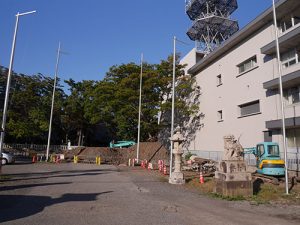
240,86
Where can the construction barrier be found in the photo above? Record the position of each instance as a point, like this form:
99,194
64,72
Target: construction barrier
165,170
201,178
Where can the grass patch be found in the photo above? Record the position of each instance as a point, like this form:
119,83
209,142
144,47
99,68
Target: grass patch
267,193
207,187
228,198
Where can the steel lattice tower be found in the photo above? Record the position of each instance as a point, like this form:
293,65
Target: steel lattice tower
212,24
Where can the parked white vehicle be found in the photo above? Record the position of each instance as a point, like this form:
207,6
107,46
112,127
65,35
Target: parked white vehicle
7,158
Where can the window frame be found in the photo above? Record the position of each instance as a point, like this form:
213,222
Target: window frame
220,115
253,64
289,95
248,104
289,56
219,80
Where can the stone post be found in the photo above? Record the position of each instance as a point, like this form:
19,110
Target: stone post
177,175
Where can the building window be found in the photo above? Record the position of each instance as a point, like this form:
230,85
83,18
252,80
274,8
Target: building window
289,58
289,22
296,20
293,137
220,115
250,108
219,80
260,150
247,65
292,95
286,24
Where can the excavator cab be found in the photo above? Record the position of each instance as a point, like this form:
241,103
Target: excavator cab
268,160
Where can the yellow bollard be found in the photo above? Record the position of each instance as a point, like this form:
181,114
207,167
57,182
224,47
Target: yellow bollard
75,159
98,160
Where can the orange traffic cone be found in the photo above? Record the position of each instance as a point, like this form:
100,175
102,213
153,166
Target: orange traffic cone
201,178
165,170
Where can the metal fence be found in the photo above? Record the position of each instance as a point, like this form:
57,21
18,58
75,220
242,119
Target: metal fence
293,158
38,148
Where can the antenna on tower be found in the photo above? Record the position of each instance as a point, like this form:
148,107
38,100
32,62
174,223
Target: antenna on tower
212,24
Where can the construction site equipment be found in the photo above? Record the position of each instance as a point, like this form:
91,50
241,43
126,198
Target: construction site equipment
268,160
206,166
121,144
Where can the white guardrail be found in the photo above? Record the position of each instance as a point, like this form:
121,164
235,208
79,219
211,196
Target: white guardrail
38,148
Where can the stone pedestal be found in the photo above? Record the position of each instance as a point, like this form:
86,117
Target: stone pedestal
177,176
232,179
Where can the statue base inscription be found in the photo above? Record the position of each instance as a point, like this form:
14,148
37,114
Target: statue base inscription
232,179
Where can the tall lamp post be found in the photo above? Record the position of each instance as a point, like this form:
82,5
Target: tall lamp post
173,97
52,104
9,81
140,110
173,103
281,98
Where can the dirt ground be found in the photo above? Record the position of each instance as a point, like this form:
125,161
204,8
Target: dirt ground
150,151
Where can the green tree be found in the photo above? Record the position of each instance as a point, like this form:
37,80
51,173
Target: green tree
29,108
73,117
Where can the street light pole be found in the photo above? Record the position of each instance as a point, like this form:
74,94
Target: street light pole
52,104
9,81
173,103
281,99
140,110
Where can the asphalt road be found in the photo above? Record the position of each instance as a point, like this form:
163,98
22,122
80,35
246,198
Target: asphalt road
77,194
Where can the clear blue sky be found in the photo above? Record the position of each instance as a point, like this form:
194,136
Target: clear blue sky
98,33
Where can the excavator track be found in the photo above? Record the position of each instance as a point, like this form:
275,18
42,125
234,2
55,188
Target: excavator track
267,179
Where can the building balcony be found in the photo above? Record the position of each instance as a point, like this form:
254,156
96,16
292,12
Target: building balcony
288,40
291,76
291,122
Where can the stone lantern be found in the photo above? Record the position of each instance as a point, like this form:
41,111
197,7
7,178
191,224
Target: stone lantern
177,176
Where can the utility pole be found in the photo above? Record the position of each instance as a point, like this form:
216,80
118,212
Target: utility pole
281,99
173,103
8,83
140,111
52,104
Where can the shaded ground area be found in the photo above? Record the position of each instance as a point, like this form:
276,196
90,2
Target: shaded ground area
90,194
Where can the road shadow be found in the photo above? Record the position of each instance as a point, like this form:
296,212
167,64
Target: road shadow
15,207
54,174
23,186
51,176
48,173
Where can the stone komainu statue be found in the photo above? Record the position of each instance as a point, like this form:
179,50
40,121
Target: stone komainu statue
233,150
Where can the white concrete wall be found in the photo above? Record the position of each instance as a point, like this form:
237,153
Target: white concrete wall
234,91
189,59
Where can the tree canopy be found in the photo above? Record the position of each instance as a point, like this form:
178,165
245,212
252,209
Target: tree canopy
96,112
